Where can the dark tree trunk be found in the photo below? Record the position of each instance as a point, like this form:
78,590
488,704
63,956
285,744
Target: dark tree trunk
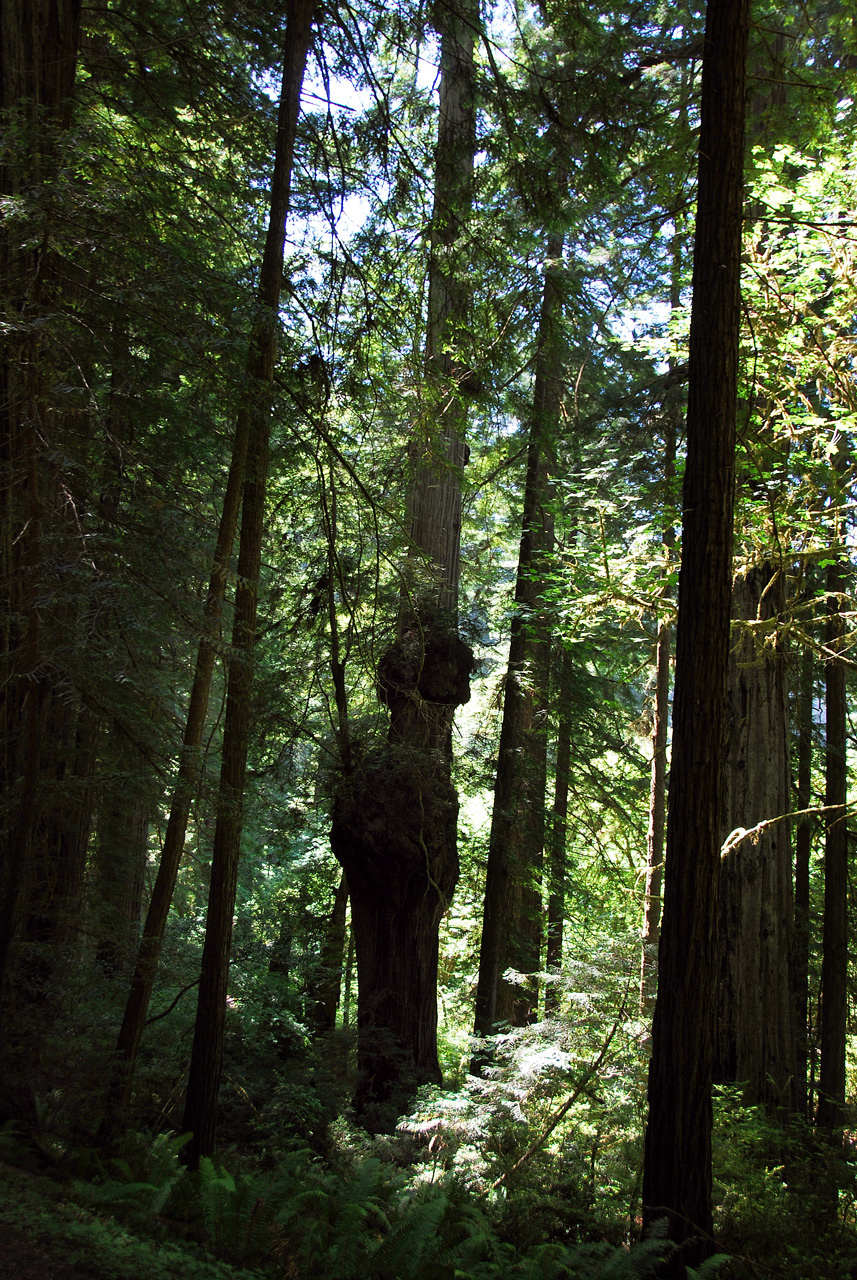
52,905
395,816
834,962
755,1040
252,418
328,982
200,1115
404,812
511,921
803,847
558,844
677,1162
38,57
120,864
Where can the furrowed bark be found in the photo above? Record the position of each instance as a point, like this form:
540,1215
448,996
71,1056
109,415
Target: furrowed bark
677,1162
512,911
395,816
755,1039
834,962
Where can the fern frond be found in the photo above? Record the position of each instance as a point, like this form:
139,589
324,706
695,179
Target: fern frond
710,1267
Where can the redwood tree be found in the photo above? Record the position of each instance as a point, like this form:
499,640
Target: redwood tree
511,922
677,1163
755,1044
41,849
251,426
200,1115
834,962
395,815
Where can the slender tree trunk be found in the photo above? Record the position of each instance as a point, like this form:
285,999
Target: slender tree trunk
755,1040
122,819
328,983
677,1162
656,834
834,962
252,418
512,908
349,980
396,812
803,847
120,863
658,779
200,1116
558,844
657,819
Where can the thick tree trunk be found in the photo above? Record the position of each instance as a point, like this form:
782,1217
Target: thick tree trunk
803,848
200,1116
252,417
834,962
437,449
397,827
511,922
395,816
755,1040
38,57
677,1162
51,907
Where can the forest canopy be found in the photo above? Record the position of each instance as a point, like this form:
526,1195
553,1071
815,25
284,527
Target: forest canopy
427,553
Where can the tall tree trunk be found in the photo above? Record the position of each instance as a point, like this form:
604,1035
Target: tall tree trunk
200,1115
120,863
252,418
558,841
660,729
803,848
395,815
38,58
328,982
656,834
677,1161
834,961
755,1040
512,909
657,818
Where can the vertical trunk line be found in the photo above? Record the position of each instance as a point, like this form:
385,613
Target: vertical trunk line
834,963
511,923
803,848
200,1116
677,1163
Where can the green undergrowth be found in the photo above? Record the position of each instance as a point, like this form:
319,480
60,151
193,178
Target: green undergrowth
97,1245
145,1218
460,1192
785,1201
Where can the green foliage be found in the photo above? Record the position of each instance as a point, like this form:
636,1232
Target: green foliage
782,1196
235,1213
712,1266
137,1184
145,248
34,1212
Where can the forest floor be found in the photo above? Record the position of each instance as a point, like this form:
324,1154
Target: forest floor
46,1235
22,1258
